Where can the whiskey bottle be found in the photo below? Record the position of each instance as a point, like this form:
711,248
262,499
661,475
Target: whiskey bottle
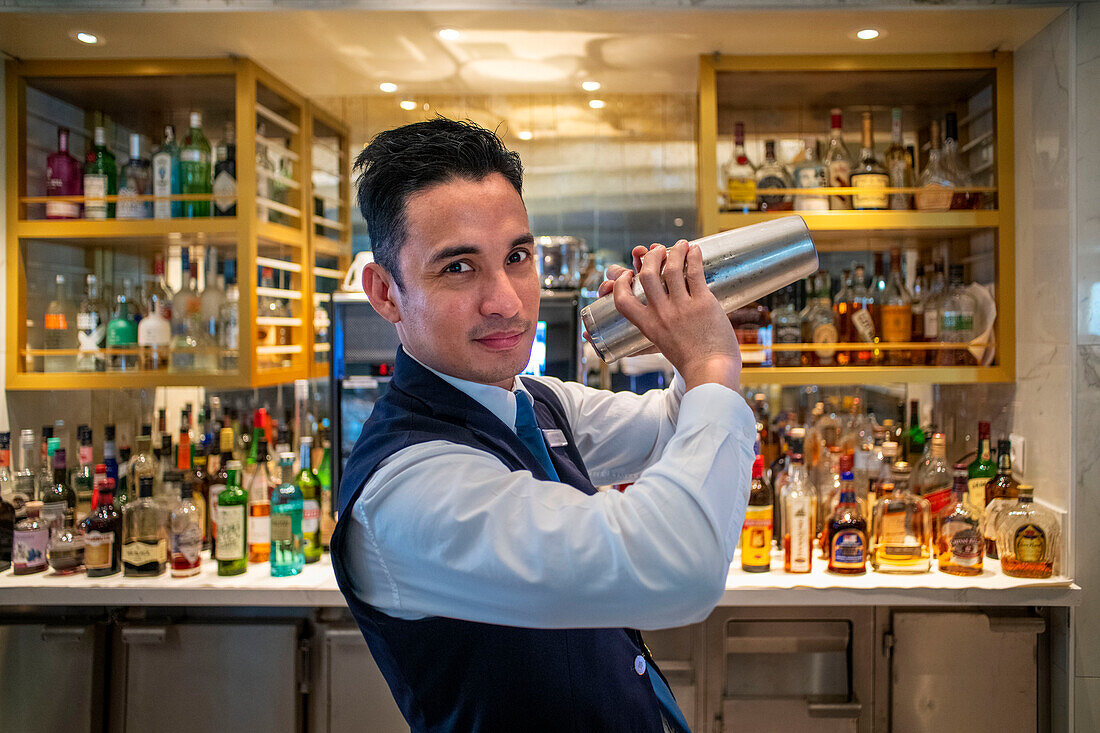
756,531
897,313
898,164
838,162
869,176
959,536
901,535
846,532
1027,538
740,175
144,534
935,182
1002,486
981,470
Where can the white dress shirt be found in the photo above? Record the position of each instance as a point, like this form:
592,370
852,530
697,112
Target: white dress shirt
442,529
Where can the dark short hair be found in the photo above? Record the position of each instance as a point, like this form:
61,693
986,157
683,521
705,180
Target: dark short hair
400,162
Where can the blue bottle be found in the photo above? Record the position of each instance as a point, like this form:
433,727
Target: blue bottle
288,555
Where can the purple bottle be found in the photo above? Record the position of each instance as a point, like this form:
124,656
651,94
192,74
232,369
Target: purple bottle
63,178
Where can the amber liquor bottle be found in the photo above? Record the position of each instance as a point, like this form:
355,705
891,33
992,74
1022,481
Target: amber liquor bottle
846,532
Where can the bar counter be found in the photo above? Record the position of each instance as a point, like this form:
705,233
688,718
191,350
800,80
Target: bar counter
316,588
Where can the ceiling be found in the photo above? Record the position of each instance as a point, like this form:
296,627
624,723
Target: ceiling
349,52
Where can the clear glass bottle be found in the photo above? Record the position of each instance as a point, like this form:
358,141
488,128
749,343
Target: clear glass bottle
786,328
225,175
196,172
311,504
43,477
959,532
31,537
265,176
155,329
843,305
83,477
184,528
876,296
956,312
144,534
740,175
756,531
936,287
897,313
100,178
59,329
259,503
186,320
869,175
901,538
863,322
25,478
65,552
136,180
838,161
1028,538
231,538
102,530
810,172
144,463
91,326
933,478
210,304
122,332
166,176
63,178
772,174
229,325
955,166
935,182
799,516
819,326
287,542
898,165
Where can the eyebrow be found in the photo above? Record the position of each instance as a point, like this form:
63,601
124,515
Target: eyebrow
470,249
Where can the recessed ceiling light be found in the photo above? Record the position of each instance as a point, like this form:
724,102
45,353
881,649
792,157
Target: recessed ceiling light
867,34
388,86
85,37
449,34
408,104
590,86
525,135
597,103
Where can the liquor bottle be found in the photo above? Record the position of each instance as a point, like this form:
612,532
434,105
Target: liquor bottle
100,179
311,505
166,176
810,172
265,176
7,480
897,313
1027,538
740,175
956,168
846,532
124,487
220,479
933,480
935,182
936,288
59,330
750,322
819,326
786,328
122,333
136,180
324,477
772,174
83,478
843,303
959,535
43,478
186,320
259,505
102,530
91,327
1002,486
25,477
981,470
799,510
994,510
869,175
155,329
110,452
957,310
213,295
31,537
838,161
272,308
7,531
914,436
231,539
876,296
63,178
196,174
229,325
280,191
144,534
144,464
59,500
901,539
898,165
863,323
184,528
756,531
197,484
225,176
192,486
287,543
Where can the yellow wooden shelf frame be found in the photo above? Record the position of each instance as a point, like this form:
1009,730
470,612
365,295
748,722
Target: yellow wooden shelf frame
913,224
245,233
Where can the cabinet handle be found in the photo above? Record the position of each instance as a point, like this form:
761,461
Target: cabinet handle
145,634
1016,624
64,633
818,709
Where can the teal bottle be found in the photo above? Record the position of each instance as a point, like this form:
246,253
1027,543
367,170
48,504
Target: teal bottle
196,170
287,541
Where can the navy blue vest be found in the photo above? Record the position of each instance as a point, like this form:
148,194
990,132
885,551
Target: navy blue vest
452,675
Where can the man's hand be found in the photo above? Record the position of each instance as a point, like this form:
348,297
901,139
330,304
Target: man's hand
681,316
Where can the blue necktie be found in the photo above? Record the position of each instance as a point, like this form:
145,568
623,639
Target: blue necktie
673,716
527,430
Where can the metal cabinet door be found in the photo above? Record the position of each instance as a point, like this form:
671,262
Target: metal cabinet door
189,677
42,664
349,692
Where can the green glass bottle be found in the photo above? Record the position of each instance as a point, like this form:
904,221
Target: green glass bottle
196,173
100,179
311,506
981,470
122,333
231,540
59,499
287,542
324,477
124,492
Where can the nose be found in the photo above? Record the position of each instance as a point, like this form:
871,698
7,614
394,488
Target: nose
500,296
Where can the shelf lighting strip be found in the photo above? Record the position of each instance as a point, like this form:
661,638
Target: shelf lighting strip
277,321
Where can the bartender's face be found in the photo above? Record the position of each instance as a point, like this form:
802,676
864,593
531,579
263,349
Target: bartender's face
470,299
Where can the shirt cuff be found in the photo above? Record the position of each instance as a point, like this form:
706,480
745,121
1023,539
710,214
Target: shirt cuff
716,404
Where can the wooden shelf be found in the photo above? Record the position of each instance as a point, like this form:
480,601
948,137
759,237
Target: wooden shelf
918,223
54,381
141,230
874,375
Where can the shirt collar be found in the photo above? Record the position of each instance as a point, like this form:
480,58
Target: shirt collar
501,402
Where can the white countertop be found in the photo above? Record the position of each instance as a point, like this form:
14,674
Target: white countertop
316,587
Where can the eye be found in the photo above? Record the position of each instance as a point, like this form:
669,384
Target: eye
518,255
457,267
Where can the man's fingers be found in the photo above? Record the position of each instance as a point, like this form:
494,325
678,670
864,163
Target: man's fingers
673,274
626,302
693,268
650,276
639,252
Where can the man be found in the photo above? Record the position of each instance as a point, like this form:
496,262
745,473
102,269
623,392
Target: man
497,588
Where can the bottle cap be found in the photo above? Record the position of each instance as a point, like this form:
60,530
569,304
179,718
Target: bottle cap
847,462
1026,490
757,465
108,432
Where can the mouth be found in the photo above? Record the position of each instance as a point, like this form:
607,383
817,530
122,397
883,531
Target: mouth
501,341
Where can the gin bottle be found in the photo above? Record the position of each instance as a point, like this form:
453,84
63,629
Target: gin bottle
122,332
136,180
166,176
225,176
59,329
810,172
91,325
155,329
311,504
63,178
287,542
838,161
772,174
184,528
144,534
196,174
100,179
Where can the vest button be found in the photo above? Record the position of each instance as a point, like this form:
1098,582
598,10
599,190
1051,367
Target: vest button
639,664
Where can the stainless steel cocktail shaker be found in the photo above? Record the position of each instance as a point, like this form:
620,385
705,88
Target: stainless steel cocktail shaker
741,265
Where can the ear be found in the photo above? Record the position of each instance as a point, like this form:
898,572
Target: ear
382,292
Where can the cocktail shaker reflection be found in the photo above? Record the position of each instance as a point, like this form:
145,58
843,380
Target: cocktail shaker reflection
741,265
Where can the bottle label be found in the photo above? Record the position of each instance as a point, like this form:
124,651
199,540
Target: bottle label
311,516
957,326
849,549
144,552
95,193
259,530
230,542
931,324
788,334
934,197
187,545
281,530
85,454
868,197
741,192
825,333
756,537
62,209
29,548
939,500
225,192
193,155
98,550
55,322
965,542
801,543
53,514
128,206
162,185
770,182
976,488
897,323
839,172
1030,543
865,325
121,333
